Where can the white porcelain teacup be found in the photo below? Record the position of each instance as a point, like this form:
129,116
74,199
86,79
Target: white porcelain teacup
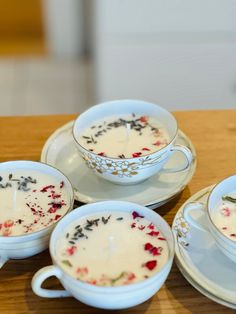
218,216
140,165
29,241
104,294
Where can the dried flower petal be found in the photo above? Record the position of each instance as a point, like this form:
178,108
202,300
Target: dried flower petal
143,119
138,154
71,250
153,233
148,246
136,215
150,264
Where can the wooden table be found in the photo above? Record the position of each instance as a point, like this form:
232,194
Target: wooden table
213,134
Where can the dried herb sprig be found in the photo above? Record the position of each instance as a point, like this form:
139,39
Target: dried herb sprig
229,198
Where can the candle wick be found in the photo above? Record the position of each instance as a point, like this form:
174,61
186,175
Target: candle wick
14,198
127,131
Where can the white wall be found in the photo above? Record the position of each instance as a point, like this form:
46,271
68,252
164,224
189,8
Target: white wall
178,53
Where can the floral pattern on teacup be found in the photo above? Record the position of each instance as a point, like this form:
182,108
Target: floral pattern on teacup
182,230
121,168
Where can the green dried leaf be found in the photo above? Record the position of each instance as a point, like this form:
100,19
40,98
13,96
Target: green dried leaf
229,199
67,263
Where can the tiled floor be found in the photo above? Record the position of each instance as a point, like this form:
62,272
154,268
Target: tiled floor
31,86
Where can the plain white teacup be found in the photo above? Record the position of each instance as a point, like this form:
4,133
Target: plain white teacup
26,245
130,170
112,297
224,243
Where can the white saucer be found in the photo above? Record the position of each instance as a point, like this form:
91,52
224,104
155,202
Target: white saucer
199,259
60,151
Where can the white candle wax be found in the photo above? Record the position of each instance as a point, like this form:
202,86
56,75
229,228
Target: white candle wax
30,201
124,136
109,249
224,216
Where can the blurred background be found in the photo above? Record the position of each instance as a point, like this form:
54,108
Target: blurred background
62,56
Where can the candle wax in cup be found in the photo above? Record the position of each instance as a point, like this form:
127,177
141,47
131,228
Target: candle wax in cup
30,201
110,249
125,136
224,216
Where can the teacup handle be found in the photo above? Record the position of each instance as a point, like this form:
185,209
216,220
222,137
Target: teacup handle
188,155
41,276
187,216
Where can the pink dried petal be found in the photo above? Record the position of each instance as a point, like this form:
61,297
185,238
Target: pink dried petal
136,215
8,223
82,270
6,232
225,212
131,276
71,250
157,143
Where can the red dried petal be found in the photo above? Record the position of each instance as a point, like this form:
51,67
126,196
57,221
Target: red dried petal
62,184
148,246
155,251
45,188
151,226
143,119
161,238
136,215
141,227
145,148
150,264
133,225
153,233
101,154
57,217
138,154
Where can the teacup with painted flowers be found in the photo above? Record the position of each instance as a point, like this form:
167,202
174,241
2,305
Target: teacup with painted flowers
128,141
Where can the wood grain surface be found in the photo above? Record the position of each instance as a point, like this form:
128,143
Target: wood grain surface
213,134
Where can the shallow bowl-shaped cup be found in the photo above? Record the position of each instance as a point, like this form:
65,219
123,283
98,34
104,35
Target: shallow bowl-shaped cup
130,170
112,297
26,245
